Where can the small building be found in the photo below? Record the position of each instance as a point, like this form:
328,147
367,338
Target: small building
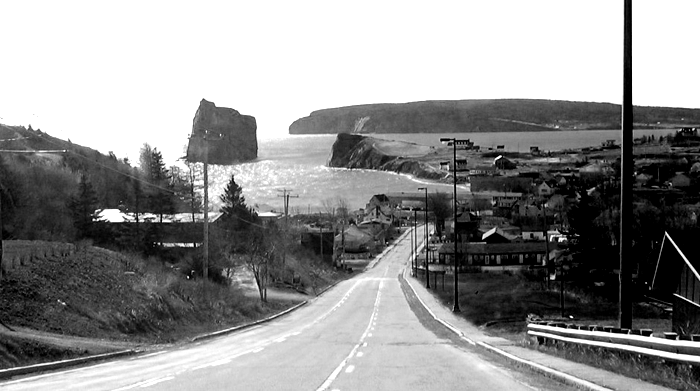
497,255
535,150
677,276
687,132
482,170
680,180
268,217
596,169
609,144
503,163
378,201
496,235
353,240
544,190
174,230
461,164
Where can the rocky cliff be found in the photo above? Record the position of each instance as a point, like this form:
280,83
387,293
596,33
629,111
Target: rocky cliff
356,151
496,115
221,135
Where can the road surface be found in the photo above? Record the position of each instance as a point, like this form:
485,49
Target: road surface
366,333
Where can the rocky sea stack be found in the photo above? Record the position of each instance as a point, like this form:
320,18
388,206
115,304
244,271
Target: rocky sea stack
221,135
356,151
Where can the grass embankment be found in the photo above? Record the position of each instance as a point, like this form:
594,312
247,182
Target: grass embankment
60,290
500,304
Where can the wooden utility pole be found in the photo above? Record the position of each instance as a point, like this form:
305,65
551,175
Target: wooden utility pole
205,242
625,292
286,195
208,136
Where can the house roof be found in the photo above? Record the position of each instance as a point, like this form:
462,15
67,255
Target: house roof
117,216
677,249
381,197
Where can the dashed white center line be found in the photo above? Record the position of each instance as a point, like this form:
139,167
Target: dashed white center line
359,354
326,384
146,383
258,350
364,345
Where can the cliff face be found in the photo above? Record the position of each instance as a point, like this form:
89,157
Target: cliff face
230,136
499,115
356,151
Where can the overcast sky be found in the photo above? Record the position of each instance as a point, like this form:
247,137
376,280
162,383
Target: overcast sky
113,75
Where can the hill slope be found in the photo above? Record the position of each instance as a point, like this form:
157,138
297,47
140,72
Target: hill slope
497,115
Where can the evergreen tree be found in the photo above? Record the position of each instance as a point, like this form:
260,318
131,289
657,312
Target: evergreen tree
236,213
83,207
161,201
145,156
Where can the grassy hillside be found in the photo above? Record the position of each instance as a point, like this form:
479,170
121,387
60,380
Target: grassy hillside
491,115
39,174
84,291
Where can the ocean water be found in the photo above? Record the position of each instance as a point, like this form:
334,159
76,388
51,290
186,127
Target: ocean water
297,163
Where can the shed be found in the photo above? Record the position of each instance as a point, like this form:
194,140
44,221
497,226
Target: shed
677,274
356,240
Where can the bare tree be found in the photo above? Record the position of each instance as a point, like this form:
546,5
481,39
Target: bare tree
258,257
328,207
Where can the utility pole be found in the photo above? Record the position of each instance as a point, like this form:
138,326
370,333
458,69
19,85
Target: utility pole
286,195
625,305
2,242
209,135
415,243
546,242
427,240
410,231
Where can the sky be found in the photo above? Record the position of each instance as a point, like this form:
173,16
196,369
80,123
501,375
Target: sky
114,75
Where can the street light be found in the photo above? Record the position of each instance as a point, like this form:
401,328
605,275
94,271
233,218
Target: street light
410,231
415,243
454,142
427,274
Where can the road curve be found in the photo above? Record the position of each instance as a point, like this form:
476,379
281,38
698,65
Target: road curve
366,333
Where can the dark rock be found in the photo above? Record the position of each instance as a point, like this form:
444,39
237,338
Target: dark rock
232,137
356,151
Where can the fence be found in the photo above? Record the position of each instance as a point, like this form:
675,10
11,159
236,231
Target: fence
639,341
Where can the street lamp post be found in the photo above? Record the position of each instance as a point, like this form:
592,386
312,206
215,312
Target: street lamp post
454,142
410,231
427,244
415,243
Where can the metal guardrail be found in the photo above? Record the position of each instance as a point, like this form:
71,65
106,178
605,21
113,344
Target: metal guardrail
634,341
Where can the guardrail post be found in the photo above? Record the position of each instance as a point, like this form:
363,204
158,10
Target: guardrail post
670,335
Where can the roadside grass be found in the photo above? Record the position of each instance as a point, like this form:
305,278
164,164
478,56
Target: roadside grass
89,292
499,303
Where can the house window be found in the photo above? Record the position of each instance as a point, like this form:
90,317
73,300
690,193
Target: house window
530,259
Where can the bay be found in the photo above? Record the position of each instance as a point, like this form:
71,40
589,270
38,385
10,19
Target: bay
297,164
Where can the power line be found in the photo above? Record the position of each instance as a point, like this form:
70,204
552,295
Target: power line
75,153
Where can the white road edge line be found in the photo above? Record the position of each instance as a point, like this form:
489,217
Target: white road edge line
449,326
543,368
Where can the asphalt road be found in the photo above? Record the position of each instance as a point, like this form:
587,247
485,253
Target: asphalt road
366,333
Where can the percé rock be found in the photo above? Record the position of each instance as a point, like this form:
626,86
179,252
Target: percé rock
486,115
357,151
232,136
